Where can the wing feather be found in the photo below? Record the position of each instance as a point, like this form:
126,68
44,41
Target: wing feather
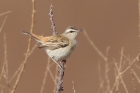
55,42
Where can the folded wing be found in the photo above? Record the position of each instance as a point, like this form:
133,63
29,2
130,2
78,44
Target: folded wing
50,42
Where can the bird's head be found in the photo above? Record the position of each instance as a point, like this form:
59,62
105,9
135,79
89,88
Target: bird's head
71,32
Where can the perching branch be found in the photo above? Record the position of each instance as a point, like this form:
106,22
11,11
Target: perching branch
62,63
61,75
52,21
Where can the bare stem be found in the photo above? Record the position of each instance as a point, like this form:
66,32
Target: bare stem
139,15
52,21
45,77
28,50
131,64
95,47
56,78
61,74
136,76
73,88
5,60
3,24
5,13
133,81
60,79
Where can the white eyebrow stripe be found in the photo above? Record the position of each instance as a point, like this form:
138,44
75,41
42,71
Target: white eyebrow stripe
68,30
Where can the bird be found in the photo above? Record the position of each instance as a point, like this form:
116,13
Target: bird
60,46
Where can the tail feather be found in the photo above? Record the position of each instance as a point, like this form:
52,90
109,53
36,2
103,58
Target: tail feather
26,33
37,37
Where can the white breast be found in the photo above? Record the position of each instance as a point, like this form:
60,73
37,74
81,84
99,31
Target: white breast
62,53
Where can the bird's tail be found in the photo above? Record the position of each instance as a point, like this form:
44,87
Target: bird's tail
37,37
26,33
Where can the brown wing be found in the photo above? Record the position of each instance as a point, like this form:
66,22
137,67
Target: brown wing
50,42
55,42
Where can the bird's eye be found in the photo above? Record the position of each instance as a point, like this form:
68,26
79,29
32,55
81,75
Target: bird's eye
71,31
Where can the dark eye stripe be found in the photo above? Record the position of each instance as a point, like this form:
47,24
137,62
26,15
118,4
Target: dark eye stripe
72,31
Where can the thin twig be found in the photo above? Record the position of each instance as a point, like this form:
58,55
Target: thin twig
139,15
131,64
33,48
94,46
117,77
121,59
107,51
28,49
73,87
117,84
6,64
48,66
125,88
55,78
101,80
127,58
16,73
106,78
2,71
5,60
134,73
133,80
107,68
45,77
3,23
5,13
121,79
118,68
5,56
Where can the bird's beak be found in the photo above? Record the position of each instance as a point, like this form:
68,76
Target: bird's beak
80,30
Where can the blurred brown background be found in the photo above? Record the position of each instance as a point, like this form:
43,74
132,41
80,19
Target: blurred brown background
111,23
